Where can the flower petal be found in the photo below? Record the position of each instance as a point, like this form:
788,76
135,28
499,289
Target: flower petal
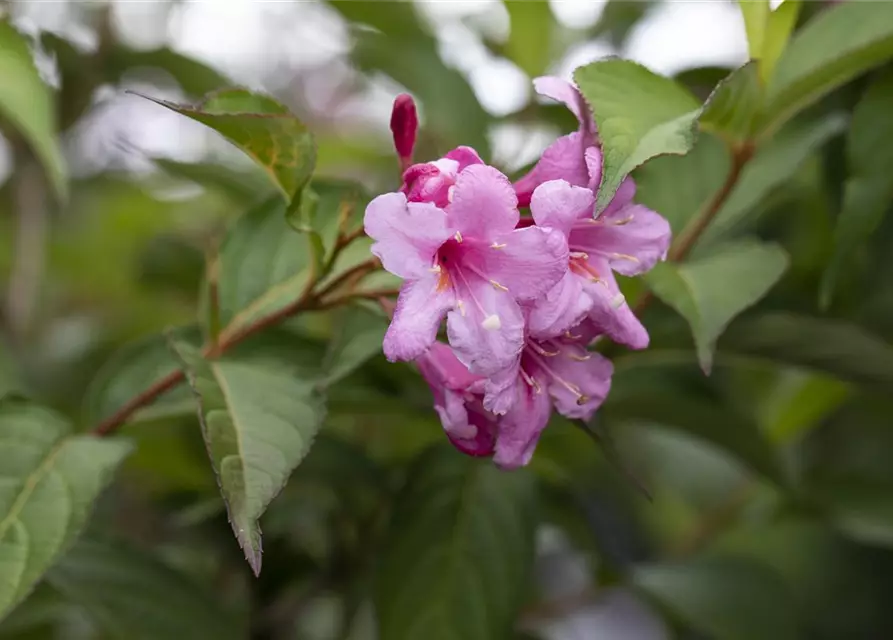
558,204
486,329
407,235
563,307
420,308
632,239
610,311
440,367
527,261
624,196
562,160
594,158
464,156
592,377
500,389
484,203
563,91
520,428
482,429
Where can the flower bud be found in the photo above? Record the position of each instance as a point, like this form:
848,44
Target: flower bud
404,124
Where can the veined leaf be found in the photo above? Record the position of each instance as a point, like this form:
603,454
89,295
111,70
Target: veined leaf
258,419
711,291
261,127
460,550
49,480
638,114
358,337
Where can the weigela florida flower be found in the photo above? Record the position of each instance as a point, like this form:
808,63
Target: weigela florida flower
523,298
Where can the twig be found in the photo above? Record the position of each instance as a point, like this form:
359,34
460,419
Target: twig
117,419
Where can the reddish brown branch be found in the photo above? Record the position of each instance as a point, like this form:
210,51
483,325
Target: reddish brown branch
146,397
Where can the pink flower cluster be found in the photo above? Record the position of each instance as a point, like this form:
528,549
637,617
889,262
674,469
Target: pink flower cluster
523,297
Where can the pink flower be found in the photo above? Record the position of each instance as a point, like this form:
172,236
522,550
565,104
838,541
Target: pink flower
467,424
404,125
431,181
627,238
558,370
565,158
466,261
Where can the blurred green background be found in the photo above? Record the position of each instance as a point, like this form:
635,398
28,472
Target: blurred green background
772,509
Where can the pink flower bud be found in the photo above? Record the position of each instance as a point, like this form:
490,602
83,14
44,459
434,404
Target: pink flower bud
404,124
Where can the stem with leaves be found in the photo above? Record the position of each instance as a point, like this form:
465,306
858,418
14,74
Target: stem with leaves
311,300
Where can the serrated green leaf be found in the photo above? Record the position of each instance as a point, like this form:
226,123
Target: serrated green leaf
706,420
258,419
724,598
48,483
459,552
132,369
358,337
711,291
131,594
868,191
733,105
638,114
263,266
836,46
839,348
261,127
29,105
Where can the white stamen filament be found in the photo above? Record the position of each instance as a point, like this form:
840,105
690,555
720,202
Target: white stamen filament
531,382
450,193
496,245
498,286
581,255
461,306
458,237
570,386
540,350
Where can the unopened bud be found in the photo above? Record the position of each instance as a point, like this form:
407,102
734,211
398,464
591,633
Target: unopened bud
404,124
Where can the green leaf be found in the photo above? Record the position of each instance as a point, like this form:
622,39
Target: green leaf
459,552
678,187
261,127
639,115
132,369
723,598
706,420
839,44
798,401
711,291
836,347
28,104
731,108
358,337
868,191
780,24
131,594
530,39
756,15
263,264
49,482
258,419
772,167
